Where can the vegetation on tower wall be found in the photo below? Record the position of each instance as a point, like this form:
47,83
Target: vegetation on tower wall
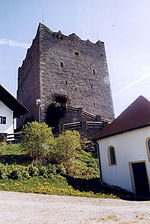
54,113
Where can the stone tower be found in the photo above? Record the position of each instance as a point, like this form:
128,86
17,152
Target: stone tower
59,67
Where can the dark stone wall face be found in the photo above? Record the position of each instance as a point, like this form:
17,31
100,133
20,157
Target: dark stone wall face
29,83
77,69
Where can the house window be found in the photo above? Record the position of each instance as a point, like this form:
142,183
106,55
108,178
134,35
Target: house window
111,156
2,120
148,147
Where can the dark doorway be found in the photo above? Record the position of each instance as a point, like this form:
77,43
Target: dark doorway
140,178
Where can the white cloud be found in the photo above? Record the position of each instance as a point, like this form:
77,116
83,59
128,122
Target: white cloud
13,43
131,84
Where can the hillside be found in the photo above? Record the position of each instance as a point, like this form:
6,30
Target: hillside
18,172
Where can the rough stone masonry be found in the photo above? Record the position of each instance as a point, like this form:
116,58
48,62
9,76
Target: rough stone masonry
66,68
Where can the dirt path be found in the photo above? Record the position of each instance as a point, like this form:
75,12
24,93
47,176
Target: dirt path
20,208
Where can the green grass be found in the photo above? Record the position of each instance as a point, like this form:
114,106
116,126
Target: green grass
85,165
10,149
55,186
82,177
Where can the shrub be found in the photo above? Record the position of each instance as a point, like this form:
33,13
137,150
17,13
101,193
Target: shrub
33,170
15,174
43,171
64,147
25,174
61,169
3,171
36,139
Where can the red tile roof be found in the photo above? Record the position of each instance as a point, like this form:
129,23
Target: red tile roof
137,115
12,103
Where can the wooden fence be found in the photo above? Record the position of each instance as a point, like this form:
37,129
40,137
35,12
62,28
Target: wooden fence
14,138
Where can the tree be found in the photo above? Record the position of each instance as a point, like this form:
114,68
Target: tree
36,139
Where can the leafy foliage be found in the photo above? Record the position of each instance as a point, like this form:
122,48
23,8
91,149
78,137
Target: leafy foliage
79,176
63,152
36,139
54,113
64,147
39,143
84,165
15,172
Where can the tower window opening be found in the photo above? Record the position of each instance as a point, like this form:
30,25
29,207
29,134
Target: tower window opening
61,64
76,53
93,71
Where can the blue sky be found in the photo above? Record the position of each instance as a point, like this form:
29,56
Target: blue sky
124,26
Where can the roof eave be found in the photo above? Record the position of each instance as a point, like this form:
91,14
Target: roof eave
121,132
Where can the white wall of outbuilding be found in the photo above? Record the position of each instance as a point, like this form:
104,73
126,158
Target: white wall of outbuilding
129,147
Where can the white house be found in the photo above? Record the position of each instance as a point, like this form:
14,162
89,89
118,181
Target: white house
10,108
124,149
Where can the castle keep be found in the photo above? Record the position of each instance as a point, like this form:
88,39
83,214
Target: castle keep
70,71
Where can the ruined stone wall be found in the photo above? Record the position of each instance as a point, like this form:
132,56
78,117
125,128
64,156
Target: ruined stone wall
29,83
77,69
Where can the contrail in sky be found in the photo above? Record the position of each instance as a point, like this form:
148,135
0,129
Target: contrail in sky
131,84
13,43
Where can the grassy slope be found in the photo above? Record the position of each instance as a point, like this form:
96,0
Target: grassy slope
80,182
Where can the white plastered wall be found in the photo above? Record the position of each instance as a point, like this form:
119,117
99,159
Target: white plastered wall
8,113
129,147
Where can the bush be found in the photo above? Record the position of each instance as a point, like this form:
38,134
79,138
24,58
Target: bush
14,175
83,165
15,172
25,174
3,171
51,169
61,169
63,148
33,170
43,171
36,139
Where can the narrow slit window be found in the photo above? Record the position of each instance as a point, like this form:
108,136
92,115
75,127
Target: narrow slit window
61,64
111,156
93,71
